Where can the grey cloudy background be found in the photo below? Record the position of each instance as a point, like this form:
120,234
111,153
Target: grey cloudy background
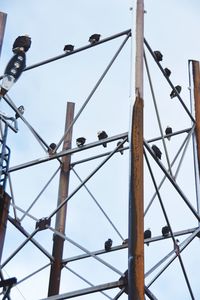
170,26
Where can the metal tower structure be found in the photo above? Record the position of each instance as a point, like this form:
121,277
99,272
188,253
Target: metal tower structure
60,249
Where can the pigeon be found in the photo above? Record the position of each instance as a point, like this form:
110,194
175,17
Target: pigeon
165,231
68,48
102,135
156,151
173,92
168,131
158,55
94,38
80,141
21,44
108,245
21,110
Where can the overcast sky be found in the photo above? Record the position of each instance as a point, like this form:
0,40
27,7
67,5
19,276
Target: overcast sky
171,27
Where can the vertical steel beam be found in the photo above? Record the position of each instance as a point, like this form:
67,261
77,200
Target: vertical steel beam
136,210
3,17
58,241
196,84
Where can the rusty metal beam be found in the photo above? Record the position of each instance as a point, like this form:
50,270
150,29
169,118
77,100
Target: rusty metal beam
136,210
3,18
4,209
58,241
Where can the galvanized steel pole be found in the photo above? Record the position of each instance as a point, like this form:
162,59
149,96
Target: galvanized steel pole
136,211
58,241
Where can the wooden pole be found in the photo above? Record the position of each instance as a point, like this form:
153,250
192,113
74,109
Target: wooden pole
4,210
58,242
136,210
3,17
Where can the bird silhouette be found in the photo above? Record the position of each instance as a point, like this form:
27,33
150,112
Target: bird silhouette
94,38
167,72
176,90
108,245
168,131
21,44
120,148
21,110
102,135
147,235
158,55
80,141
156,151
51,148
165,231
68,48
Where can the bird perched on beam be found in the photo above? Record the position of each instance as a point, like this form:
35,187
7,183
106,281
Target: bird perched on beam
158,55
168,131
51,148
21,44
156,151
102,135
167,72
21,111
165,231
94,38
68,48
80,141
108,245
16,65
176,90
147,235
121,147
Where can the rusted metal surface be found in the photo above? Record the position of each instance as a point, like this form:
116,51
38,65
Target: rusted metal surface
58,242
196,83
3,18
136,210
4,210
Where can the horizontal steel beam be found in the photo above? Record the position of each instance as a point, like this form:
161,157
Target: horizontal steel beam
98,252
86,291
86,147
52,59
67,152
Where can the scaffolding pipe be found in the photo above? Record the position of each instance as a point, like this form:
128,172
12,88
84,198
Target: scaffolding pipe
58,241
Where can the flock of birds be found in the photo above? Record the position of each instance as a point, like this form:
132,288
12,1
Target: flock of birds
147,235
14,69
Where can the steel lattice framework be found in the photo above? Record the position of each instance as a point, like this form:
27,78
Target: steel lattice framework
77,267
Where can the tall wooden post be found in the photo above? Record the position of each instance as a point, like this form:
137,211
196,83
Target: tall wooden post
58,242
3,17
136,211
